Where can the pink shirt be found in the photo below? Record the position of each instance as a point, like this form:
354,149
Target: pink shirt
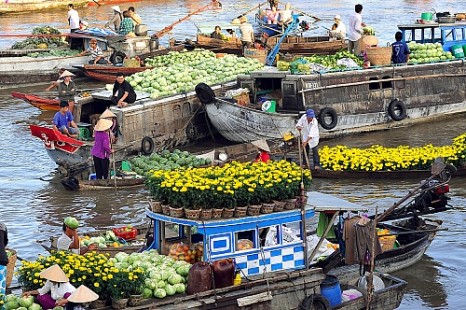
101,148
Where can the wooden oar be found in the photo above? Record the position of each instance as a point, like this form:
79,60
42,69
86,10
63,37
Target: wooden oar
96,2
250,10
114,170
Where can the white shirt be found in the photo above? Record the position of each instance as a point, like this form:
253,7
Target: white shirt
309,130
73,18
247,32
64,242
355,27
57,290
339,32
285,16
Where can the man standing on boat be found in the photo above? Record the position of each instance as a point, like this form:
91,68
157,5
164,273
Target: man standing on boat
308,128
73,21
63,121
3,257
247,32
400,50
355,29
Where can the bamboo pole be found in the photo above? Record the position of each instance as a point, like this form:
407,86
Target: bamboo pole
370,279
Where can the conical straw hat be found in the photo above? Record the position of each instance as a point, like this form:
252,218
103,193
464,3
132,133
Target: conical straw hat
103,124
262,144
66,73
107,114
54,273
82,295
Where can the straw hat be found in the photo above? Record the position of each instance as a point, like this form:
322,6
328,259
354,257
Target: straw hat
107,114
243,19
235,21
261,144
116,8
103,124
54,273
83,294
66,73
337,17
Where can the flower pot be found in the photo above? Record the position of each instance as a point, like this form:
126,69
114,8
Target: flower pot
217,213
206,214
254,209
176,212
267,208
300,201
240,211
119,303
155,206
134,300
279,205
97,304
166,209
228,213
290,204
192,214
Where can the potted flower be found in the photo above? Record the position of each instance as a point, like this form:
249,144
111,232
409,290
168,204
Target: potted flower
122,283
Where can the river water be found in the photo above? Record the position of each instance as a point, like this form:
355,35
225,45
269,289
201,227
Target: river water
34,208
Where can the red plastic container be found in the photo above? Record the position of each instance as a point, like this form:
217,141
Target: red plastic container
125,233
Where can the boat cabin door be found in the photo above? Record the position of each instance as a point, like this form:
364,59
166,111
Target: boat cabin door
291,101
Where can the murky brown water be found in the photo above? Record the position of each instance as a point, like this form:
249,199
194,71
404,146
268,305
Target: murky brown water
34,209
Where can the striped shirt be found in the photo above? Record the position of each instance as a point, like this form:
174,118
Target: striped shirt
95,52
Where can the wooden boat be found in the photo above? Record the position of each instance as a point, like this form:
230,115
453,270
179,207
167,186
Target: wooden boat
24,6
119,183
40,102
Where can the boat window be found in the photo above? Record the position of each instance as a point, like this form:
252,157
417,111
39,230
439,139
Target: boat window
270,236
245,240
374,85
386,84
291,232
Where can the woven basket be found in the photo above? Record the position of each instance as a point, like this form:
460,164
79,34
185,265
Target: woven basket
379,56
10,268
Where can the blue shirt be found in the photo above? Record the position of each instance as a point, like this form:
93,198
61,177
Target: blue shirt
61,120
400,52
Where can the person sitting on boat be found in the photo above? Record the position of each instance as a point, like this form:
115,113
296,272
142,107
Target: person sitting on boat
137,20
67,88
81,298
400,50
54,84
123,92
338,29
286,16
63,121
309,127
247,32
127,25
114,129
272,16
102,149
116,18
264,151
56,289
97,55
69,240
217,34
3,257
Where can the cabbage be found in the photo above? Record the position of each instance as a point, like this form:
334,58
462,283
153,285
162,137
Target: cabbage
10,305
161,284
165,274
146,293
180,288
10,297
121,256
183,270
35,306
160,293
174,279
58,308
22,308
26,301
170,290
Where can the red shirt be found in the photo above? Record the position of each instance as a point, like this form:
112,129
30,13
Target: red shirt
263,157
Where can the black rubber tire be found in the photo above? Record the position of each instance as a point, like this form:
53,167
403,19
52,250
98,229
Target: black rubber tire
324,114
205,93
397,110
192,132
147,145
315,302
117,58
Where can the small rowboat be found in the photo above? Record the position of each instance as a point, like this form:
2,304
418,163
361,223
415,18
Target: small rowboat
119,183
40,102
107,73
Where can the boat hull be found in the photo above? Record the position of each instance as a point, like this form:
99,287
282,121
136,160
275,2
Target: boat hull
40,102
379,175
20,6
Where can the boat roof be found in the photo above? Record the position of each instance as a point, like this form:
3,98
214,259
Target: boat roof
208,27
431,25
326,202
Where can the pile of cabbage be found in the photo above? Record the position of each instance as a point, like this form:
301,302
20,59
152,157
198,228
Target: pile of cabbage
427,52
179,72
13,302
164,276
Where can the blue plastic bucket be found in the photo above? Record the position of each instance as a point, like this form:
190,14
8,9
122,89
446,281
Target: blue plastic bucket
330,289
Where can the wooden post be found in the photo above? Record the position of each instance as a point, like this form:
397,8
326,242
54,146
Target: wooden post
370,278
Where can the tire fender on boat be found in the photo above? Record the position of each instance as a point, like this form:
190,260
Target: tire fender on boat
397,110
192,132
147,145
325,114
205,93
316,302
117,57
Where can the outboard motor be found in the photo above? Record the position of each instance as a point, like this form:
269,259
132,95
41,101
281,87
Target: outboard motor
435,197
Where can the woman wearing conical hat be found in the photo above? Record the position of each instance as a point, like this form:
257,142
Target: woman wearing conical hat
102,149
264,150
107,114
56,290
81,298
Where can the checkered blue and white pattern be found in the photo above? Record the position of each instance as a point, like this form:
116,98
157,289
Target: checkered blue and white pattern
286,258
2,280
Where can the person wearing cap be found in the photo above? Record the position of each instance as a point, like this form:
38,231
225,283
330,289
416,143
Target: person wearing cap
56,289
114,129
3,257
102,149
338,29
308,127
81,298
264,151
63,121
116,18
247,32
97,55
127,25
217,34
137,20
69,240
67,88
123,92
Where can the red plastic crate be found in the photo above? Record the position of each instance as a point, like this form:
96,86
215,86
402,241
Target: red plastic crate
122,232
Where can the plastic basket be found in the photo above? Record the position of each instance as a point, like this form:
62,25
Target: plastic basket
379,56
10,267
126,234
387,242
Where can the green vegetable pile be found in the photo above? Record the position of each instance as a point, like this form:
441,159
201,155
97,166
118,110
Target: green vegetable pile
13,302
41,42
165,160
427,52
163,275
179,72
54,53
330,61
